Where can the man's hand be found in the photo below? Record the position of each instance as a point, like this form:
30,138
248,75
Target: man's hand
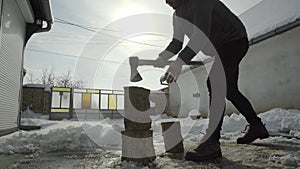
174,70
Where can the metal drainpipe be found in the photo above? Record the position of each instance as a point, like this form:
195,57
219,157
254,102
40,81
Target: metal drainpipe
45,5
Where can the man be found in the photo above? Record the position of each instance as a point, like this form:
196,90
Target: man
228,35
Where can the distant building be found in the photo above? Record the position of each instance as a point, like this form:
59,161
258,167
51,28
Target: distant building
37,98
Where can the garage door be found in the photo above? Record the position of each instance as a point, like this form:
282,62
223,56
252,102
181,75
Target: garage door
11,54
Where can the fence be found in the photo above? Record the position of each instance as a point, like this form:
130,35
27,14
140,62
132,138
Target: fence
86,103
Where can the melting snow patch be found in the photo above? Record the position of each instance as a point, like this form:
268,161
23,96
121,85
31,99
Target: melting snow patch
287,121
286,160
233,123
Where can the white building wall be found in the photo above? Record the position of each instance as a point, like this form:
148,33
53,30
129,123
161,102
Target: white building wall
11,55
269,15
270,72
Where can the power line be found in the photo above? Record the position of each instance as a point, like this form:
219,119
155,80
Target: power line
73,24
59,35
89,28
72,56
78,37
92,30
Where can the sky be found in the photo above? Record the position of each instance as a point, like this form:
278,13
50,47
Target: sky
84,28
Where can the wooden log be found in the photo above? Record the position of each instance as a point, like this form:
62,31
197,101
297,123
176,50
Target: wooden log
137,139
172,137
135,126
138,97
137,104
137,146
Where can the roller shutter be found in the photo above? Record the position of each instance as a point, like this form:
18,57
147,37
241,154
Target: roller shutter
12,35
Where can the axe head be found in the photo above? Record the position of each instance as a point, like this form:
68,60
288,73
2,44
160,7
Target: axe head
135,75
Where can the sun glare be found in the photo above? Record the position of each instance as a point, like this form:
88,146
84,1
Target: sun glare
128,10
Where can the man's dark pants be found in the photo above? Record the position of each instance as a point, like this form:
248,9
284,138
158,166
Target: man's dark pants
231,55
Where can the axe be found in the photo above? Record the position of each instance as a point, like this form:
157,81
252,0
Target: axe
135,62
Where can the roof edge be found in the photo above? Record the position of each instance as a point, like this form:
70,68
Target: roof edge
26,9
275,32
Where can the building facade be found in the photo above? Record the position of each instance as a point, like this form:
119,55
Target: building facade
19,20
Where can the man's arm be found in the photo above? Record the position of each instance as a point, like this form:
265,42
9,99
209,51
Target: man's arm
176,44
202,15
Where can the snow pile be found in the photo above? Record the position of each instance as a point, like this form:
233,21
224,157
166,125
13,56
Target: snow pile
68,139
60,136
68,135
234,123
104,135
35,122
30,114
287,160
287,121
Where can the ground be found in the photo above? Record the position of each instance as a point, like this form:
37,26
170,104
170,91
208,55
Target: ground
71,144
261,154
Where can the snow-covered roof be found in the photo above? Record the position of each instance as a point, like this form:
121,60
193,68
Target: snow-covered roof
269,15
42,86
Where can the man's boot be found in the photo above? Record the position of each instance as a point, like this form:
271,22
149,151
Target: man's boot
205,151
254,132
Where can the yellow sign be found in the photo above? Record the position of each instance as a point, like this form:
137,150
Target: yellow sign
112,102
60,110
61,89
86,101
93,91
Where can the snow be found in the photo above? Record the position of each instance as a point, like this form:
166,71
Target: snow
289,159
287,121
233,123
30,114
90,136
47,88
269,15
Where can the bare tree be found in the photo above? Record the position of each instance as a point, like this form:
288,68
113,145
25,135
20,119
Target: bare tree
47,77
78,83
30,78
66,80
52,79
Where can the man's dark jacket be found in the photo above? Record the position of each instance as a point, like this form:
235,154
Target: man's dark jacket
212,17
